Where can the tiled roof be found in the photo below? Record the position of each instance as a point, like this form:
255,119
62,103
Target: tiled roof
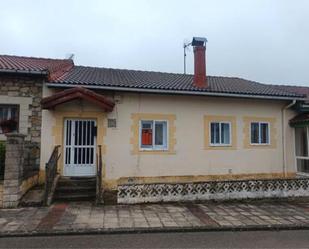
64,73
120,78
294,89
52,67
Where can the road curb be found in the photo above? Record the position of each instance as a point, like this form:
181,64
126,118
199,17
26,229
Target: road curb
151,230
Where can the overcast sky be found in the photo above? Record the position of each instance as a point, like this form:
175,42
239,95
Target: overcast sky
262,40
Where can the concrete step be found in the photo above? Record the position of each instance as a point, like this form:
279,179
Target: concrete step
75,189
72,189
85,196
76,182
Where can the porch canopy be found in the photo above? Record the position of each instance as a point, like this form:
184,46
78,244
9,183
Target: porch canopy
77,93
300,120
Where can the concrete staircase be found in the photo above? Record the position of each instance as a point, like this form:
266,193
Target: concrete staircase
75,189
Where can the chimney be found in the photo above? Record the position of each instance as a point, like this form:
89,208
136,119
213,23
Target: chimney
199,47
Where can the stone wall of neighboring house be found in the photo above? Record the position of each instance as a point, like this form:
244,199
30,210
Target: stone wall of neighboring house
26,92
1,193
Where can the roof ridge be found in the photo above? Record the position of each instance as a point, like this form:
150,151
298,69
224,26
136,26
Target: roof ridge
281,85
32,57
134,70
161,72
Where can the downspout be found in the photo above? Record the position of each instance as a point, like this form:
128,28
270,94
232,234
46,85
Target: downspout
283,136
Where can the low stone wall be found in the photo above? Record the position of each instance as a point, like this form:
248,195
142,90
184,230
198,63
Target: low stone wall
212,190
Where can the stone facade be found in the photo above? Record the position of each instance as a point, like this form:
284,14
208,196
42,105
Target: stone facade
212,190
26,92
1,192
14,161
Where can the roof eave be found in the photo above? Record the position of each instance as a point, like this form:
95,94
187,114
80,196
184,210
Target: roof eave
32,72
180,92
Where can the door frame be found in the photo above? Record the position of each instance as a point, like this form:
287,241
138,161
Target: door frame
64,171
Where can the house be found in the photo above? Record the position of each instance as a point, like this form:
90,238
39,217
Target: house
156,136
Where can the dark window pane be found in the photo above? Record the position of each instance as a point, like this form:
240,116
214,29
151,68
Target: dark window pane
67,151
88,132
75,155
84,132
87,155
92,133
303,165
91,155
69,155
67,132
159,133
254,133
9,112
147,124
301,142
264,134
215,133
79,155
225,133
75,132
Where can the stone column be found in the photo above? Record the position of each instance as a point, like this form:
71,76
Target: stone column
13,173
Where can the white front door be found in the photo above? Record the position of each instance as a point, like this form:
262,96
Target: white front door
80,147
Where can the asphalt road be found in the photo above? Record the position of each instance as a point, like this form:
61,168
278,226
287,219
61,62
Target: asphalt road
263,239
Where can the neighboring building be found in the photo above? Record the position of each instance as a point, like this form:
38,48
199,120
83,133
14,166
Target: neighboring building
155,127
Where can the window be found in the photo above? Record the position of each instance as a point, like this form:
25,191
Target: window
9,112
259,133
302,149
220,133
153,135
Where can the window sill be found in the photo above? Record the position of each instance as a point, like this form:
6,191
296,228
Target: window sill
156,152
220,145
302,174
268,144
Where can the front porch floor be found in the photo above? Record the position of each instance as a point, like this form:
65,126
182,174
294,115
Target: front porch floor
86,218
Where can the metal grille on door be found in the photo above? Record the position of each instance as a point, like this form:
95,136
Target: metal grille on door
80,145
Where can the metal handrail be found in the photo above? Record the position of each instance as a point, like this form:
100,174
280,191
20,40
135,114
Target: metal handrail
99,176
51,172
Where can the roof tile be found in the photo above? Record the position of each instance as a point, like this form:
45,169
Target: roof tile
53,67
63,72
94,76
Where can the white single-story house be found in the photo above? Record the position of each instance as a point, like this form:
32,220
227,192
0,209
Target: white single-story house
145,132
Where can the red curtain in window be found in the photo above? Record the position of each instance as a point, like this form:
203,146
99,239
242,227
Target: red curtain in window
147,137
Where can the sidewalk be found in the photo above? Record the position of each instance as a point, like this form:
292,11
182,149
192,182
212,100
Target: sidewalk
72,218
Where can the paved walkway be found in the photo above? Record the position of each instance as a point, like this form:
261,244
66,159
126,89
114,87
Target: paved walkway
85,217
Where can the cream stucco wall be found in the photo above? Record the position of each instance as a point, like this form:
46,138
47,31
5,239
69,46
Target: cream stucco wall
191,157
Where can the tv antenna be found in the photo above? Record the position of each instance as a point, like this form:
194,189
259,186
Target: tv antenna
185,47
70,56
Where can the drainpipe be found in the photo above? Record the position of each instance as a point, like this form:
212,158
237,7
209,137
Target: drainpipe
283,135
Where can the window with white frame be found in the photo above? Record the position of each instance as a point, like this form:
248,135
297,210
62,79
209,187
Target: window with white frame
302,149
153,135
220,133
259,133
9,112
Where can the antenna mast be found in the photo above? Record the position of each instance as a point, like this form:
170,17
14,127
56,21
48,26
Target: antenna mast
185,45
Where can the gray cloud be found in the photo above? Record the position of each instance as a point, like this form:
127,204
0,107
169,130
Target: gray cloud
262,40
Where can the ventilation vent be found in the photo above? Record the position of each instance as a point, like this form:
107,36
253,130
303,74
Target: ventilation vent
111,123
